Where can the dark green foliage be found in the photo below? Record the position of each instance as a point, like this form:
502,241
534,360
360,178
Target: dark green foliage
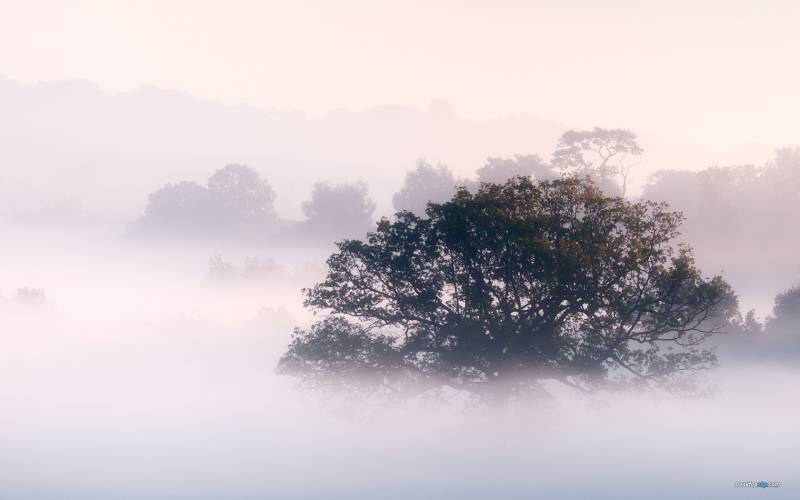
335,349
516,283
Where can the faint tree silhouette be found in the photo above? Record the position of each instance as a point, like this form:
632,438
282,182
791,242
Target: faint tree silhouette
600,154
237,203
424,184
242,189
343,210
500,170
786,312
185,208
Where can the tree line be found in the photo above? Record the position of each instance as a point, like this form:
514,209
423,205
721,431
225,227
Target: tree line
238,203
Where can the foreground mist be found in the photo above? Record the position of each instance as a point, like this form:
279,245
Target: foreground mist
138,374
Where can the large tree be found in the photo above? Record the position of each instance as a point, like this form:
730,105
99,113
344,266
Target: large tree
498,290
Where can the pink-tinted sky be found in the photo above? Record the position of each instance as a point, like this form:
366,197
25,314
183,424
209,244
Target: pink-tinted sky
719,73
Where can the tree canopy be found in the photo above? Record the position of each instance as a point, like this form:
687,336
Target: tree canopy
497,290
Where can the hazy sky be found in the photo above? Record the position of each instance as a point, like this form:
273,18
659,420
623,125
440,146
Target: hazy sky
719,73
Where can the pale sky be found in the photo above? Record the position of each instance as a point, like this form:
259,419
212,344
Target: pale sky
718,73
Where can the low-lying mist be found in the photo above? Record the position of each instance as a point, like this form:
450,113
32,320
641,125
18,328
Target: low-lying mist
137,370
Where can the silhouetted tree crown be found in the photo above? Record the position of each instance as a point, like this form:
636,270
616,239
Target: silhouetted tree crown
519,282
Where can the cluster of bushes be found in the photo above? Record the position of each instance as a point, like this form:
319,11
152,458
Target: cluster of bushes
26,299
260,271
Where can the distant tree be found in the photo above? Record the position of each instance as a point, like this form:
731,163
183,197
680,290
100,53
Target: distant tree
220,269
782,175
237,203
29,297
516,283
424,184
500,170
186,207
253,270
736,215
750,325
715,200
343,210
243,191
680,187
601,154
786,312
